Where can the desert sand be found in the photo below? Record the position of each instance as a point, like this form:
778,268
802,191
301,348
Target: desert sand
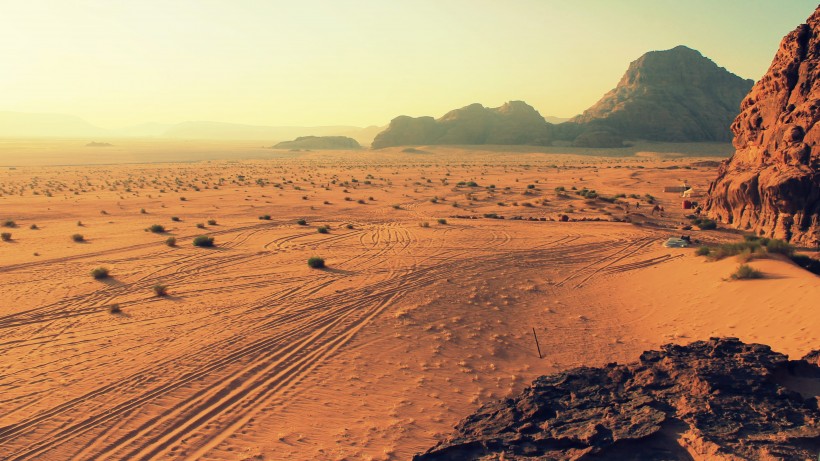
426,308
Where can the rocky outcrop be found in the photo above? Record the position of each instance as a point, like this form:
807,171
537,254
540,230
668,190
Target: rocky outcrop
771,185
719,399
675,95
514,123
319,142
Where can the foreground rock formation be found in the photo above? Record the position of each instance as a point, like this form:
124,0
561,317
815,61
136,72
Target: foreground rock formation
675,95
319,142
717,399
514,123
771,185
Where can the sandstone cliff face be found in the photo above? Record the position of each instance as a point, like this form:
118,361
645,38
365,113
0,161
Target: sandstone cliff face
675,95
514,123
771,185
718,400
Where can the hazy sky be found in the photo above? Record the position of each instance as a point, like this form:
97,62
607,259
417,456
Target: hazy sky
354,62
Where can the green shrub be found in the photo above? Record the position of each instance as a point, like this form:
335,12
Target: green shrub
442,221
6,236
100,273
115,309
745,272
160,290
175,218
203,241
157,228
212,222
705,223
779,247
200,226
34,227
301,222
171,241
316,262
265,217
424,224
349,226
323,229
703,251
78,238
9,223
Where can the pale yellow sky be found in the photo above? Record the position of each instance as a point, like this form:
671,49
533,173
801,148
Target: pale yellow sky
347,62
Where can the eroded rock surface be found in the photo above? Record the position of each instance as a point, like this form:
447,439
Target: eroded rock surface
771,185
717,399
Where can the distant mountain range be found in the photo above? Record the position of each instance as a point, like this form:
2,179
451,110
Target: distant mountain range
675,95
31,125
513,123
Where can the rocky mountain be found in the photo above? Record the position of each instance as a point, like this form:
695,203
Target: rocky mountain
771,185
515,122
675,95
319,142
717,399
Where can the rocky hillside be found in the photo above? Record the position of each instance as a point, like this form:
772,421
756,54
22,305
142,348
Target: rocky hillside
771,185
675,95
717,399
515,122
319,142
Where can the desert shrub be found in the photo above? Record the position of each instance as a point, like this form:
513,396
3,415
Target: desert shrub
301,222
265,217
175,218
212,222
424,224
316,262
349,226
157,228
203,241
9,223
323,229
491,215
160,290
397,207
115,309
779,247
703,251
78,238
6,236
745,271
732,249
100,273
746,254
442,221
171,241
704,223
142,211
34,227
200,226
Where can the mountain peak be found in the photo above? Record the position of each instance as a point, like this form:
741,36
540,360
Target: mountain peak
675,95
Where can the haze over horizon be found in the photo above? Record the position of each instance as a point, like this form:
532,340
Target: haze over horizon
357,63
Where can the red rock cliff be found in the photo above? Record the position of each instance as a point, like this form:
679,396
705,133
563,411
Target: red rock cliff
771,185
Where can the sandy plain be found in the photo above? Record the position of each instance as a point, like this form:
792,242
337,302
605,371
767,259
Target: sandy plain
414,323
